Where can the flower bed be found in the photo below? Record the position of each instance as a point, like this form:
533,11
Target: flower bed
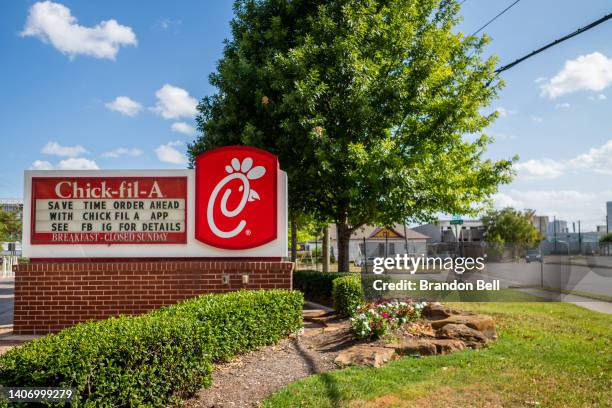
373,320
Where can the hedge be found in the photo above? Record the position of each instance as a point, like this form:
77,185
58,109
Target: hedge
317,286
157,358
347,293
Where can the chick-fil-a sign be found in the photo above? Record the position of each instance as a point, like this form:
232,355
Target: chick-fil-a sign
233,204
236,197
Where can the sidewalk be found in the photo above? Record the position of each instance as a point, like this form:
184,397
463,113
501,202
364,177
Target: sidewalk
587,303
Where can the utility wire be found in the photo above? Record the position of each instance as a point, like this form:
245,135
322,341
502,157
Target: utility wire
495,18
560,40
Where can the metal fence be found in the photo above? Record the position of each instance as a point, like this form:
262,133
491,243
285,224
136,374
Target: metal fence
8,262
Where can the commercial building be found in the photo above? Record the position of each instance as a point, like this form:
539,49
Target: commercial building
12,205
443,231
557,227
540,222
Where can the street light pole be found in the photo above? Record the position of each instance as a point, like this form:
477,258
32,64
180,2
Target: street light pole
541,257
555,231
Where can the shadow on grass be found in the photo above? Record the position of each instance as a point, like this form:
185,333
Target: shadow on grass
331,388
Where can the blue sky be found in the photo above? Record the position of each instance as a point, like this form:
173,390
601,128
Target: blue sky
112,84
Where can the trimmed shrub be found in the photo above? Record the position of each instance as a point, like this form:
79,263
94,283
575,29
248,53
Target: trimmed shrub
347,294
156,358
240,321
317,286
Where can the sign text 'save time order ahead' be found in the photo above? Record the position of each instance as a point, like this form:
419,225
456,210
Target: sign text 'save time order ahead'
100,210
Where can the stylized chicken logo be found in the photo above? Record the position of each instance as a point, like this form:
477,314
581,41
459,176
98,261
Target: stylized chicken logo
243,172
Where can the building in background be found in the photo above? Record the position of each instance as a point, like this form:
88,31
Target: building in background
443,231
540,222
372,241
557,227
12,205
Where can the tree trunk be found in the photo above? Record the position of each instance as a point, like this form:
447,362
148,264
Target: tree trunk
293,240
344,236
326,249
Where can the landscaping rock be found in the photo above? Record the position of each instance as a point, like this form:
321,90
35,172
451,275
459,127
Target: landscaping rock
314,314
435,311
482,323
460,332
331,327
446,346
423,347
365,355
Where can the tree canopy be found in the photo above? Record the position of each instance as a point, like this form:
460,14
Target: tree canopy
510,226
10,226
367,103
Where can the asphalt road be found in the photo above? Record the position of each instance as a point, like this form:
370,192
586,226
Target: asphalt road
582,275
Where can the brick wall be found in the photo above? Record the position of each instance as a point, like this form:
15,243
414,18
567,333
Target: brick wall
51,296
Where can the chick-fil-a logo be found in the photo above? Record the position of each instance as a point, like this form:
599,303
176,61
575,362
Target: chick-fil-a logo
236,197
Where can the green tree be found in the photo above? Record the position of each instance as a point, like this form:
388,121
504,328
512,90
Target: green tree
510,226
606,238
366,103
10,226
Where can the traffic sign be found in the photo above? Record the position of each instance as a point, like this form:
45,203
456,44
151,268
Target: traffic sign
456,220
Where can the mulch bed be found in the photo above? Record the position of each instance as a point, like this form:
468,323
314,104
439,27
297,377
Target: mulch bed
248,379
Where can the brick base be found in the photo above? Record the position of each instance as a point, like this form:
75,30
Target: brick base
51,296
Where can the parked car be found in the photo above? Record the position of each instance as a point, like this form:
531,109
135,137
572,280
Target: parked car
533,255
360,261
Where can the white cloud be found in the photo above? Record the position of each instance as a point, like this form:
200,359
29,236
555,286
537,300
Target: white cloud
539,80
54,148
503,200
182,127
536,119
503,112
564,105
121,151
599,97
502,136
569,205
165,23
53,23
168,153
125,106
592,72
174,102
72,163
77,164
597,159
41,165
539,169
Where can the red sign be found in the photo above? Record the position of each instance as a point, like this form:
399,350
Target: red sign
236,197
109,210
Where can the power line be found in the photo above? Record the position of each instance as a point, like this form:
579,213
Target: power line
495,18
560,40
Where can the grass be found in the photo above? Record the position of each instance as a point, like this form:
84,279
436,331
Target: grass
590,295
547,355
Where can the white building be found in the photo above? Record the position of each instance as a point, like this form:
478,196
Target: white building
11,205
373,241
